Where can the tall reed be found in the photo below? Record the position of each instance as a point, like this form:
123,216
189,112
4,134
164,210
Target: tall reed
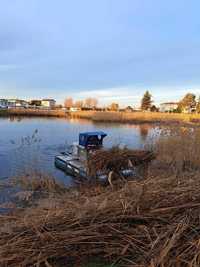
179,149
137,117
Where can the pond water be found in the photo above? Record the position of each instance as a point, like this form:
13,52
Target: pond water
30,144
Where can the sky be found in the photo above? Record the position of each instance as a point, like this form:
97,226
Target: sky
110,49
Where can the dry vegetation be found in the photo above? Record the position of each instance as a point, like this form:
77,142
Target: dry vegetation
110,116
181,150
149,223
138,117
35,112
116,159
38,183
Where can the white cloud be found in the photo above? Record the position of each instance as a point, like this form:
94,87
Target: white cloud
173,93
130,95
123,95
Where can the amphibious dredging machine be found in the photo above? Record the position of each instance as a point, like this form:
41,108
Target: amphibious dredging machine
75,162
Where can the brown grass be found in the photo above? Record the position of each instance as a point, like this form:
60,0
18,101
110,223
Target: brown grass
149,223
109,116
36,112
154,223
33,187
179,149
137,117
38,182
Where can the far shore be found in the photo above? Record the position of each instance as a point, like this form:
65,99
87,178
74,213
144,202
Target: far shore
33,113
110,116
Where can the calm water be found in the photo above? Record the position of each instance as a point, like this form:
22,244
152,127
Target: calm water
30,144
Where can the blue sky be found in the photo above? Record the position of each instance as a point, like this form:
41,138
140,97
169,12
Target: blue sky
110,49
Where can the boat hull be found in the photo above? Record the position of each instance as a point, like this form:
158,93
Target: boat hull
74,167
71,166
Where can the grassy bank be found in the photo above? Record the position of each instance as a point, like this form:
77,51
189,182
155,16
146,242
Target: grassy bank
33,112
150,222
137,117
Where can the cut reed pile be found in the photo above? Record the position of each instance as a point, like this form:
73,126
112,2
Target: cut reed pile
116,159
154,223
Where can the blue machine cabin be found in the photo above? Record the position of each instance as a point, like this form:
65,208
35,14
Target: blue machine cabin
92,140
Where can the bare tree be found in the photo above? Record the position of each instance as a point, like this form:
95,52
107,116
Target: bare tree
91,102
188,103
68,102
114,106
78,104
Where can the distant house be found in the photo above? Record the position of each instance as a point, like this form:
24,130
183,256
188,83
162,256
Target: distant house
137,109
35,103
12,103
22,104
168,106
190,109
129,109
17,103
48,103
3,103
74,109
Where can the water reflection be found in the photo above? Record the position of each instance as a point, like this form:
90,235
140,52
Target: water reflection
14,118
144,131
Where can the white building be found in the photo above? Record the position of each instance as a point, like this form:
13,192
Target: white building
48,103
3,103
189,109
168,107
74,109
17,103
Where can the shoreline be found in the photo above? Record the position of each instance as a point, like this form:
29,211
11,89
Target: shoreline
111,116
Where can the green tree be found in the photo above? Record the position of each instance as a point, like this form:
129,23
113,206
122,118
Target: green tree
146,101
154,109
188,102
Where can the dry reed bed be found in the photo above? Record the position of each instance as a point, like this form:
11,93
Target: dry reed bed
155,223
36,112
38,182
179,149
109,116
137,117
